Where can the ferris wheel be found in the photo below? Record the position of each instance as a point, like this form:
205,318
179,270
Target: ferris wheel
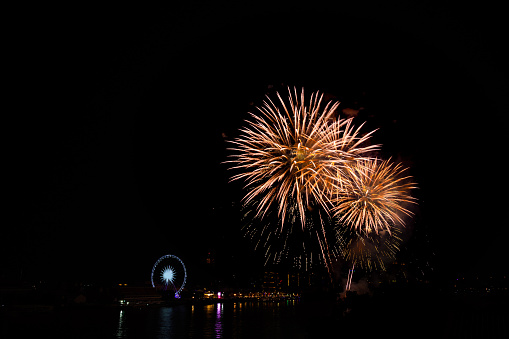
169,274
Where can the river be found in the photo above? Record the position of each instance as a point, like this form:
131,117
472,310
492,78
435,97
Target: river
284,319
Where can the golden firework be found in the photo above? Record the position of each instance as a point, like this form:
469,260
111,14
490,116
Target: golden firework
297,151
374,196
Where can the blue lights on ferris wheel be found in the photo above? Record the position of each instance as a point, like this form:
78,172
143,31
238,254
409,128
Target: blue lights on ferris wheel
169,274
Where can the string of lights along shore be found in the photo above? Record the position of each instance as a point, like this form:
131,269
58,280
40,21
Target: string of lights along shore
315,182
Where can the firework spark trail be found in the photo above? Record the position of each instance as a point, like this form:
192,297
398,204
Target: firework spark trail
288,244
350,276
370,251
374,197
301,152
326,253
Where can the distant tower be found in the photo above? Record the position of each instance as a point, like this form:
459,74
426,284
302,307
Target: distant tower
210,272
210,260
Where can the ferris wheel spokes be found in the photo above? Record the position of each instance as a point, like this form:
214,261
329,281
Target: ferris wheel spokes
169,274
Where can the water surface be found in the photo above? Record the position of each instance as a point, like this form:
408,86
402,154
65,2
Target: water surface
218,320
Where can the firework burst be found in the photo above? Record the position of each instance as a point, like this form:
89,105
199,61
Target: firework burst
302,164
299,153
373,200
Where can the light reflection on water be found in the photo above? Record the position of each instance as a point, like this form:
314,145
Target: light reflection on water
218,320
121,330
166,322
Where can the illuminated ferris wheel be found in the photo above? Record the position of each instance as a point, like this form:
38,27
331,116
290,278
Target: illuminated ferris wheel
169,274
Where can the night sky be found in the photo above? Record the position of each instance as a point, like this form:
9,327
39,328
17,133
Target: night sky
121,118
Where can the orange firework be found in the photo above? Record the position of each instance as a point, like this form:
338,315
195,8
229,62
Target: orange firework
303,161
296,153
374,196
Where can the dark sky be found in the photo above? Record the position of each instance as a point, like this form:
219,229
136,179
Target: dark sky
121,115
